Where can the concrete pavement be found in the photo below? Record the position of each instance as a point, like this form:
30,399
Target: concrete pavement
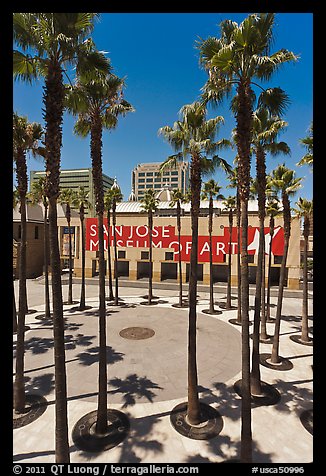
147,378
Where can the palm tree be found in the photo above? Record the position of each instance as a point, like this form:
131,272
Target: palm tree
230,205
116,198
241,56
50,43
108,206
98,103
25,139
305,210
308,143
210,191
37,195
68,197
15,203
149,204
177,199
266,128
81,202
283,180
194,136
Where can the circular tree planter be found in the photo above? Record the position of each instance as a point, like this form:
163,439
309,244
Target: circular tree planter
222,305
43,317
137,333
66,303
214,312
146,297
182,306
298,340
284,364
237,323
31,311
86,439
269,339
35,406
79,309
146,303
269,395
306,418
211,425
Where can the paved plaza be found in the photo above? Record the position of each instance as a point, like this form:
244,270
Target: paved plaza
147,378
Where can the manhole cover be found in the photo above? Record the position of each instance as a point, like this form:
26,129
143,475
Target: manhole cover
136,333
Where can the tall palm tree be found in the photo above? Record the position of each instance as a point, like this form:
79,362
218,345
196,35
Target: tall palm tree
149,203
107,207
308,143
240,57
37,195
305,211
194,136
81,202
266,128
177,199
68,197
116,198
49,43
283,180
15,203
98,103
211,190
230,205
25,139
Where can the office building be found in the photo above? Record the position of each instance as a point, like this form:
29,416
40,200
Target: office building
146,176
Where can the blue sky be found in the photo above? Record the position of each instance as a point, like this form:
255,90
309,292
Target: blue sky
157,55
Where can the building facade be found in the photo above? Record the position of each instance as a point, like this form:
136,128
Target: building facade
75,178
146,176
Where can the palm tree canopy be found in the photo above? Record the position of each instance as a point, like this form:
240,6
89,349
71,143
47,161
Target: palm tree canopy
60,37
305,208
177,197
149,202
102,95
230,203
241,53
37,193
284,180
266,128
308,143
194,135
26,136
273,208
80,198
211,190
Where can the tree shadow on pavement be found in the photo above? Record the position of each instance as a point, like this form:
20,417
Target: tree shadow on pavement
40,384
133,388
91,356
40,345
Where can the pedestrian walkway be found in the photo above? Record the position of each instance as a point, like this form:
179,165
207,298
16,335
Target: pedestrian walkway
147,378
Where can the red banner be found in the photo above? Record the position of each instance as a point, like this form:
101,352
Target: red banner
166,237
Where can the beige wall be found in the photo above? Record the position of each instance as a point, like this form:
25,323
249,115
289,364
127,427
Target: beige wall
133,254
34,249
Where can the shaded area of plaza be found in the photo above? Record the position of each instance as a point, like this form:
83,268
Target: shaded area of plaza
147,378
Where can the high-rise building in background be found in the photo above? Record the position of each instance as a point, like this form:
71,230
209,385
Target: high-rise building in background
145,176
76,178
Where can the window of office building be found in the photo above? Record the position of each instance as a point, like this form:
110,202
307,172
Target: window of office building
141,180
141,174
141,186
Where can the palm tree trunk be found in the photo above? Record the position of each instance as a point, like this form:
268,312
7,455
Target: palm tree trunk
210,230
269,277
193,410
116,299
255,381
239,257
150,281
111,296
70,301
263,328
19,386
305,329
82,304
228,294
53,100
61,431
14,310
179,256
46,263
275,359
244,133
